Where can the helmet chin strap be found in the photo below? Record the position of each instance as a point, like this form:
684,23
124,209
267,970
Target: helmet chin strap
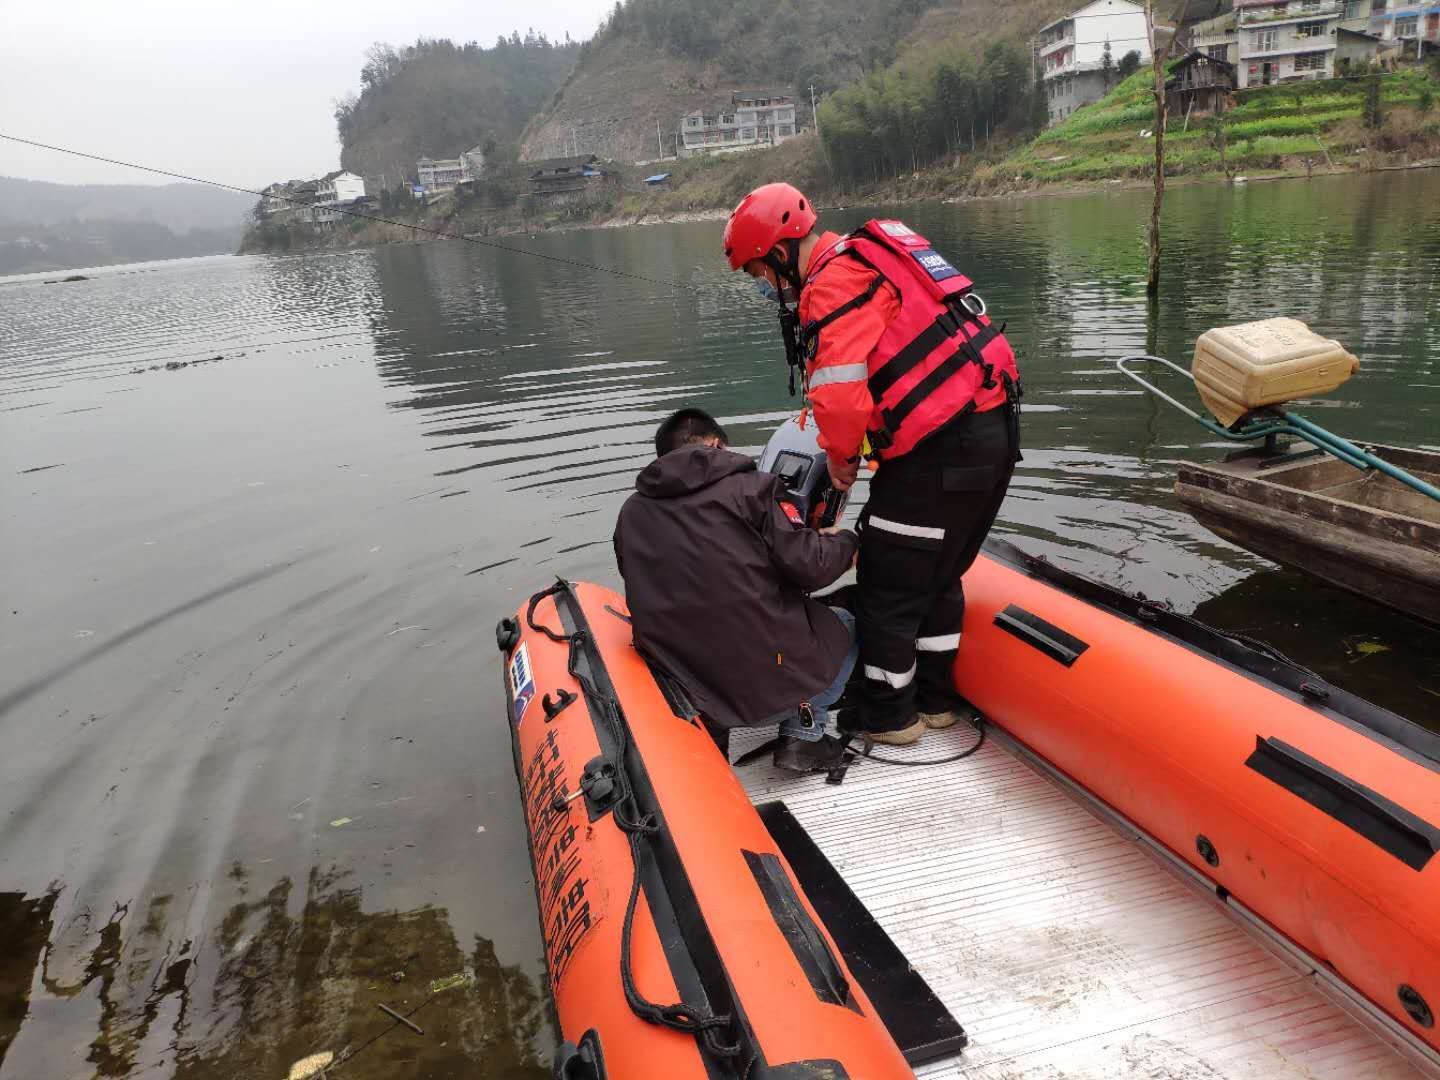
789,270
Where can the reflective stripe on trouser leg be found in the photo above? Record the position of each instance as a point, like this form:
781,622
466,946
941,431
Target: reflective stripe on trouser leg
893,593
896,680
939,643
938,640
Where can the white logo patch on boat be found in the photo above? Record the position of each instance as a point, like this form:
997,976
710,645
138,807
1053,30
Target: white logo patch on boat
522,681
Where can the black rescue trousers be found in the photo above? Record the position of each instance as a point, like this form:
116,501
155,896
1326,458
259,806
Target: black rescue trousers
926,518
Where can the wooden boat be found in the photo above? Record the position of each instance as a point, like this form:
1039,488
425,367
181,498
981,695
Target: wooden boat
1366,518
1361,530
1252,892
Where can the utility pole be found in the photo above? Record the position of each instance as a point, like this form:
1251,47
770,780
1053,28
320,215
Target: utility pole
814,112
659,146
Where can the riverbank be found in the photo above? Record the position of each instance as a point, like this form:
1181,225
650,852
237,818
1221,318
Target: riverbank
1286,132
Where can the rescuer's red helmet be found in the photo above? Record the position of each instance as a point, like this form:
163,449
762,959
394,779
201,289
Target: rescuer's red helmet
765,217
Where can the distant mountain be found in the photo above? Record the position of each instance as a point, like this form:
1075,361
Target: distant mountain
178,207
47,227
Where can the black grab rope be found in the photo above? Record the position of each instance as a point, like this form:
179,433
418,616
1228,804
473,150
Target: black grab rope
637,827
866,749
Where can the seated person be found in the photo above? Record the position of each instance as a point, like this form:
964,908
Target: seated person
718,579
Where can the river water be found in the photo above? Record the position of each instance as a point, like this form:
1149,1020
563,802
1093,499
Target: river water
254,769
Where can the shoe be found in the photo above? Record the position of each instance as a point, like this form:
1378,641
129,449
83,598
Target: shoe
950,717
800,756
905,736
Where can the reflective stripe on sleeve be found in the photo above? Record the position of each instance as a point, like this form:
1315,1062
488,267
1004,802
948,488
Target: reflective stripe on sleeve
938,643
901,529
839,373
899,682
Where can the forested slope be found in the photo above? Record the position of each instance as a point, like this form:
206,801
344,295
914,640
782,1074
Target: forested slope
655,60
439,99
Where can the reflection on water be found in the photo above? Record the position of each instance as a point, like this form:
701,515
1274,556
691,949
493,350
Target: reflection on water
282,975
249,602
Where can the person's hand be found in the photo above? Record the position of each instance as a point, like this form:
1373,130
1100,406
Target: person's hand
833,530
842,473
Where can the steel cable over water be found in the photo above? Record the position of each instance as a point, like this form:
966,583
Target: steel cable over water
441,233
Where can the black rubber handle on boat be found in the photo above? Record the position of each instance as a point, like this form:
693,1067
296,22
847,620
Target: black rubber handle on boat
1037,633
1385,824
807,943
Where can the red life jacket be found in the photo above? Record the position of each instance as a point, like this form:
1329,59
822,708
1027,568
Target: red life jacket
940,357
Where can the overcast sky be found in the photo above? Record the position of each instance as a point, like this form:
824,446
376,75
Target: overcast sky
230,91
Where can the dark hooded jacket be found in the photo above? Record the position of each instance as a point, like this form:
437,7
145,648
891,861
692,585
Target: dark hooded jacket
717,577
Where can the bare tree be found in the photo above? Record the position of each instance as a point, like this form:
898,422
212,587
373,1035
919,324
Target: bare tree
1159,59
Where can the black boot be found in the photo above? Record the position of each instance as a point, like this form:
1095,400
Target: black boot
800,756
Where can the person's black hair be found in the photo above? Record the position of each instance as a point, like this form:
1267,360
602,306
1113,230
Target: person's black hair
685,427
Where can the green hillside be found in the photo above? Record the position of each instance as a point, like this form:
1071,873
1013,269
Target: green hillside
439,99
1269,129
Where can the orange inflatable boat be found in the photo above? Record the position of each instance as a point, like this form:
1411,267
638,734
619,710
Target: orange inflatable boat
680,941
1304,806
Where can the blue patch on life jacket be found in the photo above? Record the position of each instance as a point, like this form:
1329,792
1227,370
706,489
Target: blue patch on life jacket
935,264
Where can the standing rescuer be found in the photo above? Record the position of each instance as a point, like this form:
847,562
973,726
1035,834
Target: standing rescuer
901,364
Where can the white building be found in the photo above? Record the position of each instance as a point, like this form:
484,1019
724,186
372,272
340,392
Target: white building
436,175
1414,26
1071,52
1286,40
339,187
750,120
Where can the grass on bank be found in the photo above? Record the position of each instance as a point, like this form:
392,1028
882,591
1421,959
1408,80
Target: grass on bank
1267,127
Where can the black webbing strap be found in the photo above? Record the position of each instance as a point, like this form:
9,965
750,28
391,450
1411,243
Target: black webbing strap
811,330
711,1029
968,352
904,361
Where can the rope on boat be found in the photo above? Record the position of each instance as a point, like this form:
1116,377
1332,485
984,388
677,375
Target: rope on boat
693,1020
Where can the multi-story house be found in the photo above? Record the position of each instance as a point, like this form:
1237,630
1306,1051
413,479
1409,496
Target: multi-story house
1286,40
1071,52
1216,38
749,120
336,189
436,175
339,187
1413,26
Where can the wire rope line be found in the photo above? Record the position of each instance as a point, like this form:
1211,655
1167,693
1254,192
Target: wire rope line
441,233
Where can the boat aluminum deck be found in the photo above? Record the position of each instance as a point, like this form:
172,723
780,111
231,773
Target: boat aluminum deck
1068,945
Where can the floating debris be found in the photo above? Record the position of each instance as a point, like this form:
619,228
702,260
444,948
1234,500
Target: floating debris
399,1019
176,365
310,1066
451,982
67,280
340,821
